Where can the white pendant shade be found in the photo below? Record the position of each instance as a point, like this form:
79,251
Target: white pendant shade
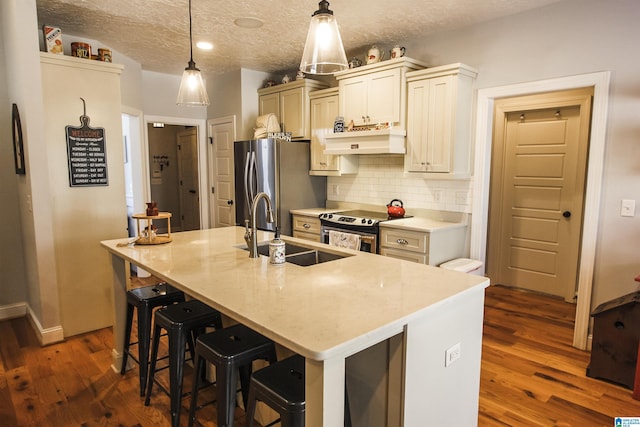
192,89
323,52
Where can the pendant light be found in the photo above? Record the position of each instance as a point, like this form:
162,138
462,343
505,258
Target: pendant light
192,90
323,52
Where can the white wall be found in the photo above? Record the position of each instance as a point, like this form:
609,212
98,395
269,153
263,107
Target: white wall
12,269
236,94
160,92
224,94
24,88
83,216
251,82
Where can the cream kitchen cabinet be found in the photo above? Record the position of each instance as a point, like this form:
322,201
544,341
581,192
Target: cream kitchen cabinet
376,93
439,105
290,103
429,246
324,109
306,227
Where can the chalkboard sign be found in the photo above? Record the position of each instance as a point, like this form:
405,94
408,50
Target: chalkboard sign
87,155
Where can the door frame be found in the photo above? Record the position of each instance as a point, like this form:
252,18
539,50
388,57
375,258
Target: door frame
211,171
202,157
600,81
139,158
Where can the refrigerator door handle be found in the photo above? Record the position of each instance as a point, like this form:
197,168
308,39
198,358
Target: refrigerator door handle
253,178
246,181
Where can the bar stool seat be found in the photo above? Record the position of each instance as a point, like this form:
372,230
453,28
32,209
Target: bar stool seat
281,387
232,351
183,322
145,300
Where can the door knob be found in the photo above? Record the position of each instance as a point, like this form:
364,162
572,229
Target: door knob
229,202
566,214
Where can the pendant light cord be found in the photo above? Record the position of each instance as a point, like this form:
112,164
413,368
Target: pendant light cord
190,38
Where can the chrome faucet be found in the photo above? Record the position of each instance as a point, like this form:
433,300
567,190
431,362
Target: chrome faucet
250,234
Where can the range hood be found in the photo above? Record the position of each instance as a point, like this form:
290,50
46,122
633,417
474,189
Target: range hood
383,141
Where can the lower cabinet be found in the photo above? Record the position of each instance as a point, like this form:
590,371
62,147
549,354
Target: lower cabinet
424,247
306,227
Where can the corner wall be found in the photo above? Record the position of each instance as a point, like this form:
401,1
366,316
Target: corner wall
13,292
23,79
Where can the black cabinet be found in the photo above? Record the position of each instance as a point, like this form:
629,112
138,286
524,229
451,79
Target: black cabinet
616,333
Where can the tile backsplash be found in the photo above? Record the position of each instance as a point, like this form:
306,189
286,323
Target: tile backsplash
382,178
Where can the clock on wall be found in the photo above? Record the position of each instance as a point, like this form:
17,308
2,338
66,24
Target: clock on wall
18,148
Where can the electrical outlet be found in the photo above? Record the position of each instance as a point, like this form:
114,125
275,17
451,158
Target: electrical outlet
437,195
335,190
628,208
452,354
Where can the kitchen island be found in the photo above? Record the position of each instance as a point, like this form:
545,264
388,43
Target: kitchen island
330,311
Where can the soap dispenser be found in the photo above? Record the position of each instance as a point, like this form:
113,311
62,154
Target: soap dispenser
276,249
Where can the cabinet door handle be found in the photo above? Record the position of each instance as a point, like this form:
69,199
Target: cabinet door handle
307,226
323,163
402,242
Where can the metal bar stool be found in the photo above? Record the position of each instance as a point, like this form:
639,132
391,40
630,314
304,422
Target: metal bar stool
183,322
145,300
231,350
281,387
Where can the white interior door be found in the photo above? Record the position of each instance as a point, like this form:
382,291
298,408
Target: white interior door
540,158
222,136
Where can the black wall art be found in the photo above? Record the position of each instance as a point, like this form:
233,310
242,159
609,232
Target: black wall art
18,145
86,153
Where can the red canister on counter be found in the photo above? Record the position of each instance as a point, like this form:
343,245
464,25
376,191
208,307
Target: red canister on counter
81,50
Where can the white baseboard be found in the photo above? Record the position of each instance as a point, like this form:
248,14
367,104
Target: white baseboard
13,310
45,336
116,360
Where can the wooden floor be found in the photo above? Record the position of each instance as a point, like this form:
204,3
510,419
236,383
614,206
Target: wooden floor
531,376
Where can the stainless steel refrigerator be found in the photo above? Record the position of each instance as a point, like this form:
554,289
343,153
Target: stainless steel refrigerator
280,169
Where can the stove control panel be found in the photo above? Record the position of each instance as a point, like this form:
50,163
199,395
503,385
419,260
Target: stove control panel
345,219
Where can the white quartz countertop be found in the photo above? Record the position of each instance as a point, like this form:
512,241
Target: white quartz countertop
329,309
421,224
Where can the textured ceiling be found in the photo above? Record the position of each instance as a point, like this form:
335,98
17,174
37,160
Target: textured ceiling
156,32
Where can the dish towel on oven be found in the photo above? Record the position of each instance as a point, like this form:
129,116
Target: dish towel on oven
344,240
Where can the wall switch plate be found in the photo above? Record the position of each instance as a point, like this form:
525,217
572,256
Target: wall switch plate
452,354
628,208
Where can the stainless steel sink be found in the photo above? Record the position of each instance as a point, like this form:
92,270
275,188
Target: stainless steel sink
312,257
300,255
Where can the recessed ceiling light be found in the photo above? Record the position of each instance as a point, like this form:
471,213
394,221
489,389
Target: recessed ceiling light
204,45
248,22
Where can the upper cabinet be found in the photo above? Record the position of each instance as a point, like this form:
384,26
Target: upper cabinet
324,109
376,93
439,105
290,103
